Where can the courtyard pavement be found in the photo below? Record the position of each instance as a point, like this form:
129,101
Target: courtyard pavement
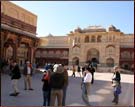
100,93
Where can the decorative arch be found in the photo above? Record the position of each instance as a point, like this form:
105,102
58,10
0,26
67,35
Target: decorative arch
110,46
92,54
110,50
93,38
76,49
75,61
86,39
99,38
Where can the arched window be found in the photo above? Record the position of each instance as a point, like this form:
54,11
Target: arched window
110,50
93,54
99,38
93,39
86,39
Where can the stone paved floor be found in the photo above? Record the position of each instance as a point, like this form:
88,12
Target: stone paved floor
100,92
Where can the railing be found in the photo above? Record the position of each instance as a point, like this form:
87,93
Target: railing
17,24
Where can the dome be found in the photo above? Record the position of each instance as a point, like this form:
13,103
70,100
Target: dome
113,28
50,35
94,29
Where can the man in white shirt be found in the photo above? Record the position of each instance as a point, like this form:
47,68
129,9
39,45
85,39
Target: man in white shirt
86,84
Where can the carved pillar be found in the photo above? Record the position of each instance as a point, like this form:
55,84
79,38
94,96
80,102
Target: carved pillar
29,53
1,46
15,47
19,39
4,37
35,45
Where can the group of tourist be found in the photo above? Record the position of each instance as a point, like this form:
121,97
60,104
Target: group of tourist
55,82
90,68
15,74
88,79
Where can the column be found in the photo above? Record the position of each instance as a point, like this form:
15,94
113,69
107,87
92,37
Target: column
29,54
15,47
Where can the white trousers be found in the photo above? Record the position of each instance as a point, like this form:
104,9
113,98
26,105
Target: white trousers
14,85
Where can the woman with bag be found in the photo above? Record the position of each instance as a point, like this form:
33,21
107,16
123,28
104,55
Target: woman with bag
116,84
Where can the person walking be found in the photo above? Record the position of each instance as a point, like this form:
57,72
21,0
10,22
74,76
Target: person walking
79,70
92,71
15,76
65,86
57,84
116,84
73,71
28,71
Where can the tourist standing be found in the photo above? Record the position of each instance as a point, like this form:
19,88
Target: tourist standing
57,84
92,70
46,87
28,71
86,84
65,86
79,70
116,84
73,71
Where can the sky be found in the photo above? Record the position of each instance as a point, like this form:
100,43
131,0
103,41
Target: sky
60,17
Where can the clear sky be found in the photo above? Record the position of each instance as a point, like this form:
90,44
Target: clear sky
61,17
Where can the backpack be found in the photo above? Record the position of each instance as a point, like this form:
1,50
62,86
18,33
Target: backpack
46,76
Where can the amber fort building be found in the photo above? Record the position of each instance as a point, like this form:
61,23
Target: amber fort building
108,47
18,40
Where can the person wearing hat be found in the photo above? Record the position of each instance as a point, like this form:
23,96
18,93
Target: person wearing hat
57,84
116,84
27,72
